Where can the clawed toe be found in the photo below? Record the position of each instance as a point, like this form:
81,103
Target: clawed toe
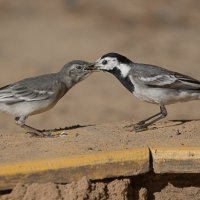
129,126
47,133
140,123
40,134
140,127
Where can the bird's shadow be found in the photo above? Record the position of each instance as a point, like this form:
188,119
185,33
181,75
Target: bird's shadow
177,122
57,132
67,128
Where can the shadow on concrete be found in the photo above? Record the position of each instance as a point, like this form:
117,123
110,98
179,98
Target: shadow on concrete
77,126
172,123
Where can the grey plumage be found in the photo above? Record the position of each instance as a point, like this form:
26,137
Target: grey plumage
150,83
155,76
38,94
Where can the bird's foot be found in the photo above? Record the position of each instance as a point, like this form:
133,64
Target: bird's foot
47,133
41,134
139,127
132,127
129,127
140,123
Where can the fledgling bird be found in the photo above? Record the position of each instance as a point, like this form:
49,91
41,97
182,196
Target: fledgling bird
38,94
149,83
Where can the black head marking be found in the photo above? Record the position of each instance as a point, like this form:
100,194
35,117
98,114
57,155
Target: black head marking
126,82
120,58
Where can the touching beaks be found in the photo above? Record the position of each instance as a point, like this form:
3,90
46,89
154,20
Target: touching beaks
91,67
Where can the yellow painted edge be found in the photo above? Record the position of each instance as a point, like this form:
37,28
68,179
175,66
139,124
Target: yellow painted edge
180,153
138,155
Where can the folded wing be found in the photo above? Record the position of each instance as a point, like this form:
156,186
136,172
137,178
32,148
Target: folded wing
157,77
19,92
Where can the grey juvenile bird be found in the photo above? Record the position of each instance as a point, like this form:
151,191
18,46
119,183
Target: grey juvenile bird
149,83
38,94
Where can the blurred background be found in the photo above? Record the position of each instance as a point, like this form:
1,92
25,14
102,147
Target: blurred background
38,37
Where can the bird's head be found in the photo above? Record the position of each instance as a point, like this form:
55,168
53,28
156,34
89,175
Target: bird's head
75,70
112,62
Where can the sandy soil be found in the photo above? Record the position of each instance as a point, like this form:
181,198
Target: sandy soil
95,138
83,189
37,37
168,187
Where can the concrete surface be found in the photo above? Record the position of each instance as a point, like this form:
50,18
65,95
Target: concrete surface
99,152
67,169
176,159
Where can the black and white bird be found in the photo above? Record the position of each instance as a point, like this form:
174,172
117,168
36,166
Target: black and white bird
149,83
38,94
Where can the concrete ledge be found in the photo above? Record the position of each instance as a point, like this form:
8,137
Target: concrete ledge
102,165
176,159
93,151
66,169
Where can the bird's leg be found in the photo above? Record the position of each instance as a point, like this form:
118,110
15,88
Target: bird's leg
143,121
142,125
33,131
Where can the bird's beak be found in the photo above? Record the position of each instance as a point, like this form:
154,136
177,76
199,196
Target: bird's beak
90,67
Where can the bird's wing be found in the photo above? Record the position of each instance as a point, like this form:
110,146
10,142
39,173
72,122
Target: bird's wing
157,77
19,92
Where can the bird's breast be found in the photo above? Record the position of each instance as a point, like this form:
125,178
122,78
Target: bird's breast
126,82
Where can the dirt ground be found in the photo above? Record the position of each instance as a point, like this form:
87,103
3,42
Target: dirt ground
83,189
37,37
96,138
153,187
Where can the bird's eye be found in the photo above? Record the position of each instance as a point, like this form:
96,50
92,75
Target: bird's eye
104,62
78,67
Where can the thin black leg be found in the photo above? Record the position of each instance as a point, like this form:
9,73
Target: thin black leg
145,120
142,125
33,131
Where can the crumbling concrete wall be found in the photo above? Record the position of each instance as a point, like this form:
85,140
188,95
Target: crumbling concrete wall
148,186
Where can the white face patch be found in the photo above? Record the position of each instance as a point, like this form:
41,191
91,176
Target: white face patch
109,63
124,69
106,63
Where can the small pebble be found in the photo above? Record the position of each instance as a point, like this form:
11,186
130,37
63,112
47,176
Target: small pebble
178,132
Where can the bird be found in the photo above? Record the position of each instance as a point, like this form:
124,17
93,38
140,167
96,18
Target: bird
150,83
38,94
